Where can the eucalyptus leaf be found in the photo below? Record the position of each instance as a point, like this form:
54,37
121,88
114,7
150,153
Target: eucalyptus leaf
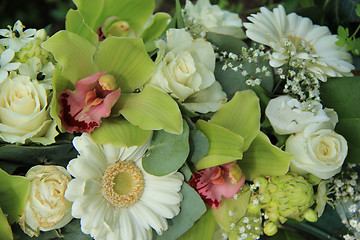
232,81
167,152
342,94
226,42
204,228
199,146
264,159
192,208
13,192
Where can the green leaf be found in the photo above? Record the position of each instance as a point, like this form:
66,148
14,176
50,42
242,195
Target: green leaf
342,94
119,132
199,146
127,60
226,42
151,109
156,27
60,84
232,81
5,229
287,235
238,208
342,32
224,145
74,53
167,152
264,159
26,156
135,12
192,208
179,19
75,23
71,230
204,228
357,10
240,115
13,192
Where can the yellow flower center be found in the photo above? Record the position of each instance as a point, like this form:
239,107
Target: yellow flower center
300,43
122,184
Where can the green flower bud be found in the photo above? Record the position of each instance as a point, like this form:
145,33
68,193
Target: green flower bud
265,198
310,215
270,228
314,180
254,208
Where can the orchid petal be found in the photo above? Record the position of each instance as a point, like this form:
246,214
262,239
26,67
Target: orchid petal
127,60
74,53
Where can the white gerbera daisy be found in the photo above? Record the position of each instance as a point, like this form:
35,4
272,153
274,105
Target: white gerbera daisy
297,41
114,197
15,37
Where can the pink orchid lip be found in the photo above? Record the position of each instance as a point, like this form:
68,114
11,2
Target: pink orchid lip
216,182
82,109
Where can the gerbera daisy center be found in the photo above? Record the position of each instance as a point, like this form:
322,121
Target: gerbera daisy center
122,184
300,43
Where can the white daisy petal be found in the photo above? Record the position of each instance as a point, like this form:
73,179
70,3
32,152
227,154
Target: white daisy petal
293,37
110,209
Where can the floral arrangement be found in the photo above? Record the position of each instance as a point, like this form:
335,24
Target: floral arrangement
131,124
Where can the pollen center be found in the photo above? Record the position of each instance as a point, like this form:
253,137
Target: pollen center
122,184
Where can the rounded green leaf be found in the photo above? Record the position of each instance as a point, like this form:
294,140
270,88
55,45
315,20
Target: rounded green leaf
264,159
13,192
127,60
204,228
151,109
119,132
240,115
167,152
74,53
192,208
135,12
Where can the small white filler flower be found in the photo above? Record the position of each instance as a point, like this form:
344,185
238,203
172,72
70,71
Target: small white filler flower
114,197
297,41
15,37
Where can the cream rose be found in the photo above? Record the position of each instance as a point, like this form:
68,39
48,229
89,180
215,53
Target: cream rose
185,70
212,19
24,112
287,115
317,150
46,208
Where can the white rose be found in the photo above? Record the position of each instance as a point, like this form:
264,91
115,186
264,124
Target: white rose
24,112
185,70
46,208
213,19
287,115
317,150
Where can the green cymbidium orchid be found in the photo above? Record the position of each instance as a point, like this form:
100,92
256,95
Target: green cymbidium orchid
98,19
136,113
234,134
